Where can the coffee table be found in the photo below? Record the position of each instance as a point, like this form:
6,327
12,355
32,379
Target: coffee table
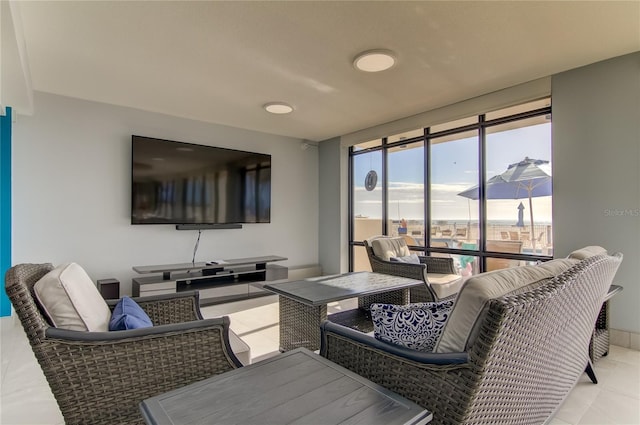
303,303
296,387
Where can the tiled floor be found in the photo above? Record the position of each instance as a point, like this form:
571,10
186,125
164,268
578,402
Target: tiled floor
26,398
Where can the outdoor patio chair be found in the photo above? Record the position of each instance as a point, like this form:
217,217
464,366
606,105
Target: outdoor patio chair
438,274
101,377
461,233
410,240
520,354
510,246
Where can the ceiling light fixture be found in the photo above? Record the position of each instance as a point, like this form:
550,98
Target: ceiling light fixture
278,108
374,60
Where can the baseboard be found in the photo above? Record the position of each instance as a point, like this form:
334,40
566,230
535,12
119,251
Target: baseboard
624,339
303,272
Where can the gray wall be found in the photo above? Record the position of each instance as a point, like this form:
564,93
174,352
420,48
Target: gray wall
596,170
333,196
72,192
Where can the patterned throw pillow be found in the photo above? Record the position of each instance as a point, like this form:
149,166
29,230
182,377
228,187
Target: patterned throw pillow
417,326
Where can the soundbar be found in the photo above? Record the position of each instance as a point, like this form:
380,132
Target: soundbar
207,226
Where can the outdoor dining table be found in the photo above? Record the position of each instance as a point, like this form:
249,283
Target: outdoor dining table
303,303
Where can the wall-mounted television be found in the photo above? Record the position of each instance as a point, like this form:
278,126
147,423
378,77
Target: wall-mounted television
183,183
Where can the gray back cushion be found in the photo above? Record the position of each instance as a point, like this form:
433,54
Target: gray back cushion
476,291
385,248
586,252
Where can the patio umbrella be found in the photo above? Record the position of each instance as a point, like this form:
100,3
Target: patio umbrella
528,178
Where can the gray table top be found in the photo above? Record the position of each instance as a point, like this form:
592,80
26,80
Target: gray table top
326,289
294,387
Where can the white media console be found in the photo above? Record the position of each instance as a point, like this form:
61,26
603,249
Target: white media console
217,281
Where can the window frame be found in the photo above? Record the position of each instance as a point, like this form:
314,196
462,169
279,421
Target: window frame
480,126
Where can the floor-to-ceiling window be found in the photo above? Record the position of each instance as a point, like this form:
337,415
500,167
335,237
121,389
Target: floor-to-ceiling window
476,189
366,198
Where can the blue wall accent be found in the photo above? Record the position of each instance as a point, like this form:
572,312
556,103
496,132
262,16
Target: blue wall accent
5,207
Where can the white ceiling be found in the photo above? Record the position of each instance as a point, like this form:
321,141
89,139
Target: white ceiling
221,61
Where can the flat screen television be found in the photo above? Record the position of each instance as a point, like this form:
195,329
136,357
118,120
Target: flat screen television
183,183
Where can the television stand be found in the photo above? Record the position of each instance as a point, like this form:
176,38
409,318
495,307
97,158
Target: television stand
218,281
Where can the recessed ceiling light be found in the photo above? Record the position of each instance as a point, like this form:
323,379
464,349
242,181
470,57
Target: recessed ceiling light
278,108
374,60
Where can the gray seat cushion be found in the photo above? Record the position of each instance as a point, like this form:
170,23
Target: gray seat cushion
445,285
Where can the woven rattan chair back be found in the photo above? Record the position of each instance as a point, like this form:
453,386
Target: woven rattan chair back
101,377
530,349
533,347
19,282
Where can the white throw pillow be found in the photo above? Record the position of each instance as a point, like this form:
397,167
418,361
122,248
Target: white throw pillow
71,300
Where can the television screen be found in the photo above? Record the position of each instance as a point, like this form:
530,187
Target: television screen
183,183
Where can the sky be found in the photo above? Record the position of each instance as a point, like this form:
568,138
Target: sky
454,169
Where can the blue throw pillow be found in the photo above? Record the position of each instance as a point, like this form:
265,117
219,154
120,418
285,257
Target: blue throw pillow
128,315
417,326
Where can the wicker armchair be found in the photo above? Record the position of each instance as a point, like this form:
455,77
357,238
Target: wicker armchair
101,377
437,267
531,348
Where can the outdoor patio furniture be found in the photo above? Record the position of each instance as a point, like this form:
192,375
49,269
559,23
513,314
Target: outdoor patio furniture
599,346
100,377
461,233
526,348
511,246
410,240
438,274
296,387
303,303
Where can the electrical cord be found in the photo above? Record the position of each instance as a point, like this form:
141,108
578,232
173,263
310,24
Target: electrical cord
195,248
